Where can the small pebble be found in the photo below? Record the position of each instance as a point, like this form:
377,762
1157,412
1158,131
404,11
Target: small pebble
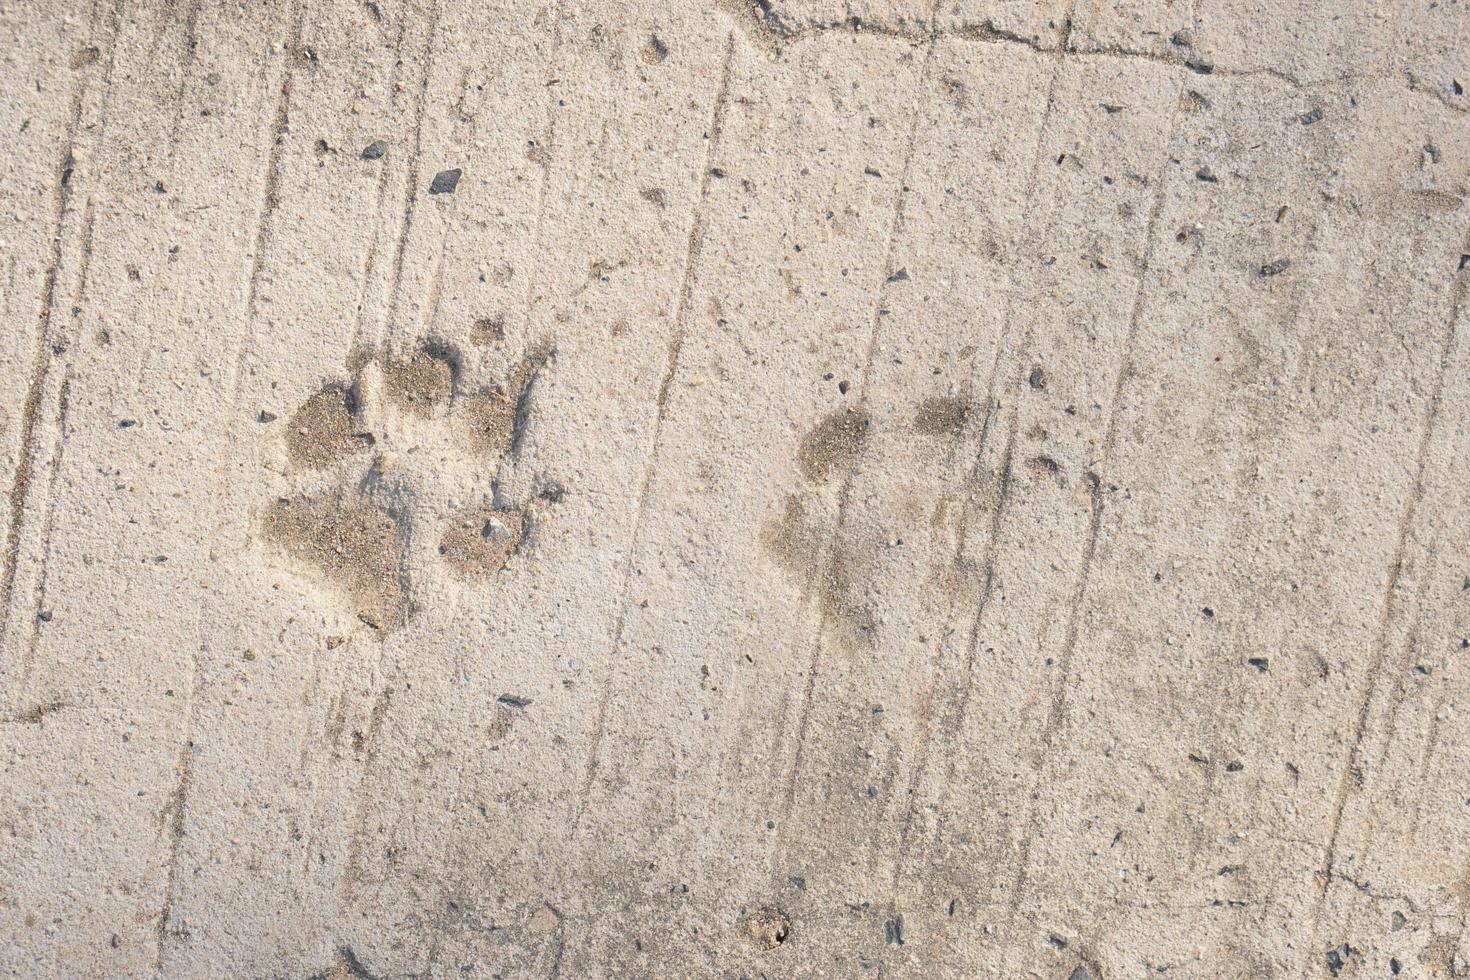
374,150
445,181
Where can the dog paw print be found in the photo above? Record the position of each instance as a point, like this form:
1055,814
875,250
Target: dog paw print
393,472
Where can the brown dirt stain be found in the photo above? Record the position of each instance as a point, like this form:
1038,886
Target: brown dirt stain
420,383
352,544
491,418
941,416
790,539
481,541
833,445
795,542
323,430
488,421
488,331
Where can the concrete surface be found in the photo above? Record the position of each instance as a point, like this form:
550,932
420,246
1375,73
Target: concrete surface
718,488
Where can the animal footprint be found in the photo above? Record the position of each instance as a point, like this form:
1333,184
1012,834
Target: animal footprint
395,473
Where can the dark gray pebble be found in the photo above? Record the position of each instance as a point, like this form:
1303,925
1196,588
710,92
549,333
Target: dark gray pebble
445,181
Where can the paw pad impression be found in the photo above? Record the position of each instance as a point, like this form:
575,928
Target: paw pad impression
396,471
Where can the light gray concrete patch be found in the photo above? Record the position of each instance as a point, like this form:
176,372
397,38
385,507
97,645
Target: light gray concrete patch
739,488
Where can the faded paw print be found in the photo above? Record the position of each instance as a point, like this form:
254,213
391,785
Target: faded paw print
395,473
832,571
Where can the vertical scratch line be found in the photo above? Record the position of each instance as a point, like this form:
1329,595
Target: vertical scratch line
40,368
191,44
373,742
561,948
39,608
63,411
972,644
543,185
174,811
370,261
51,351
1032,179
823,566
270,198
352,874
436,287
411,192
177,807
1385,620
992,406
46,346
1094,477
1412,640
692,254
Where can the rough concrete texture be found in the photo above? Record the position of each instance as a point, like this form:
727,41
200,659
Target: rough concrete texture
720,488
